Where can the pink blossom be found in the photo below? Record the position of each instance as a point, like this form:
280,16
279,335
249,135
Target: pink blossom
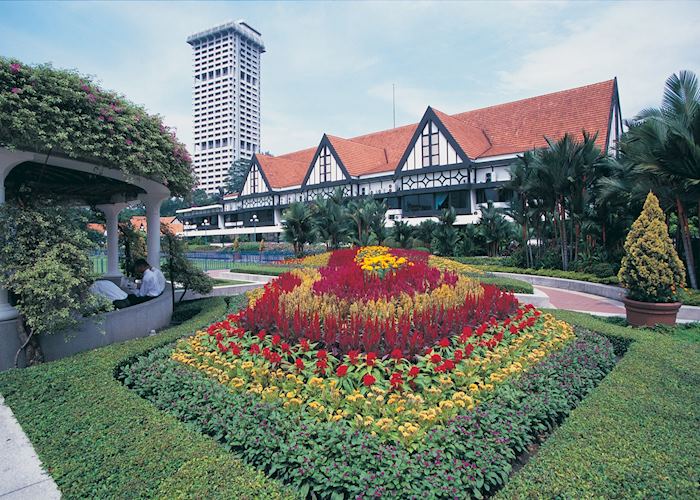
15,67
16,90
85,88
91,98
129,142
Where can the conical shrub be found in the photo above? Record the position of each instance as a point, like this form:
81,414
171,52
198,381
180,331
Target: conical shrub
651,270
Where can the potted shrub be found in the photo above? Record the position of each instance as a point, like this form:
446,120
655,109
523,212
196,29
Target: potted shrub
651,271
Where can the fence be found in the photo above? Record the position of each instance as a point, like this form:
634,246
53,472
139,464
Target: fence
206,261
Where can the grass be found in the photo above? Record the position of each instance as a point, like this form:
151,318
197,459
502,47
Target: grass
636,435
99,439
223,282
264,269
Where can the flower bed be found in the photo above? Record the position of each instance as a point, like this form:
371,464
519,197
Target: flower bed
470,455
378,340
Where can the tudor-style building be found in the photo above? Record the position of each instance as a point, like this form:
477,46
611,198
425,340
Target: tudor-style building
418,170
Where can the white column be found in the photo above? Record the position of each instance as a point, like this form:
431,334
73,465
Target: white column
112,217
152,203
7,312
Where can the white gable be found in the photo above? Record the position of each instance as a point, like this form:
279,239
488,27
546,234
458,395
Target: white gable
325,169
431,149
254,183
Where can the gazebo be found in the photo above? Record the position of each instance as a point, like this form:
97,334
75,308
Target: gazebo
66,139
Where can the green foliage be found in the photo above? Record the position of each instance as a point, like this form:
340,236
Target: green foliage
134,242
179,269
331,219
49,110
44,262
368,217
508,284
401,233
636,435
445,236
236,175
553,273
263,269
98,440
495,230
355,463
651,269
297,227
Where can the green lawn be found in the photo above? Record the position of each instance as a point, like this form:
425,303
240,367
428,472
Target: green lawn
223,282
100,440
635,435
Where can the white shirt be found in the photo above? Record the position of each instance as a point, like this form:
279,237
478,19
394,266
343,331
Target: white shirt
108,289
152,283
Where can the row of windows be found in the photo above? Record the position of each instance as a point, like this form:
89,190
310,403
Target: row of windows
459,200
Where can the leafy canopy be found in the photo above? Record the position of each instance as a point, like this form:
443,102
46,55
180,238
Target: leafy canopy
49,110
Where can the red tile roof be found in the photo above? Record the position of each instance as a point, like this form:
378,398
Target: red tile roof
508,128
140,223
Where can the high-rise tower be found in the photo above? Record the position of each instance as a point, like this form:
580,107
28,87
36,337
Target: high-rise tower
226,99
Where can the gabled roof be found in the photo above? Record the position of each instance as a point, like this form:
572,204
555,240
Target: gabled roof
471,139
509,128
359,158
519,126
282,172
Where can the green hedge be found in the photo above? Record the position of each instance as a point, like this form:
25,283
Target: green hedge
552,273
267,270
99,440
637,434
508,284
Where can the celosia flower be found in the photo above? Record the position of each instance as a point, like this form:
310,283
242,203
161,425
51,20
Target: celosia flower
459,355
444,342
235,348
397,354
261,335
285,348
276,339
414,371
371,358
353,355
322,354
299,363
368,380
342,370
304,344
396,380
435,359
254,349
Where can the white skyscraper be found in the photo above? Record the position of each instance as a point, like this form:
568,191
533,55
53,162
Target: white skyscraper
226,99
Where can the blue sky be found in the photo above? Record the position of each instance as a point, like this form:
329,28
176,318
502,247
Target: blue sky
329,67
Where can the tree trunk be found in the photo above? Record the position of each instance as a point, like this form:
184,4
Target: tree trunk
184,292
687,243
30,345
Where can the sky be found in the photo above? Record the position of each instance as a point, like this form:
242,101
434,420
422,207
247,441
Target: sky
329,66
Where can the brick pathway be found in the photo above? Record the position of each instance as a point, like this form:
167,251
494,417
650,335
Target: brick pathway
584,302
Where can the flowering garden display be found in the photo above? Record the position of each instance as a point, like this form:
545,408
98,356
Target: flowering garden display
378,374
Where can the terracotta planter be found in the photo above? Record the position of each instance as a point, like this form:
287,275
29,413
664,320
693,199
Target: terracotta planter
651,313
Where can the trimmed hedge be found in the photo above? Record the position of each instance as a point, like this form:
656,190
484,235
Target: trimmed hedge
267,270
471,455
98,439
551,273
507,284
637,434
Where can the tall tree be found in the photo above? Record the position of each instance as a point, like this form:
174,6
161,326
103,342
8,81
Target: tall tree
445,236
236,175
665,142
401,232
179,269
297,227
330,220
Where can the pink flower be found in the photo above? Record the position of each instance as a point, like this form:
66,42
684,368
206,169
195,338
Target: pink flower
129,142
91,98
15,67
16,90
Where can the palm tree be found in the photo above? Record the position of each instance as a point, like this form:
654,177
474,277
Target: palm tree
665,142
445,236
330,221
297,227
494,228
401,232
368,218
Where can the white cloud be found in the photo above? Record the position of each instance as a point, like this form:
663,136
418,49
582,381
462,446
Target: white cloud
640,43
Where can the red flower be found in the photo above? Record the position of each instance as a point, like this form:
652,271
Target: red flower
353,355
221,347
275,358
276,339
414,371
219,336
435,358
266,353
285,348
261,335
444,342
299,364
368,380
396,380
468,349
397,354
342,370
459,355
235,348
321,365
371,358
449,365
498,337
304,344
322,354
254,349
513,329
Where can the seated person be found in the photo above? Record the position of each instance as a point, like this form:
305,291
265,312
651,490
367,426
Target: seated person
111,291
152,282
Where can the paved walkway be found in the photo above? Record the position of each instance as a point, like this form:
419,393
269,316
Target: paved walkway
21,473
583,302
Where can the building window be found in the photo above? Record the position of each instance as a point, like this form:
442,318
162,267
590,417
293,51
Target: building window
493,195
254,182
429,143
324,166
488,177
